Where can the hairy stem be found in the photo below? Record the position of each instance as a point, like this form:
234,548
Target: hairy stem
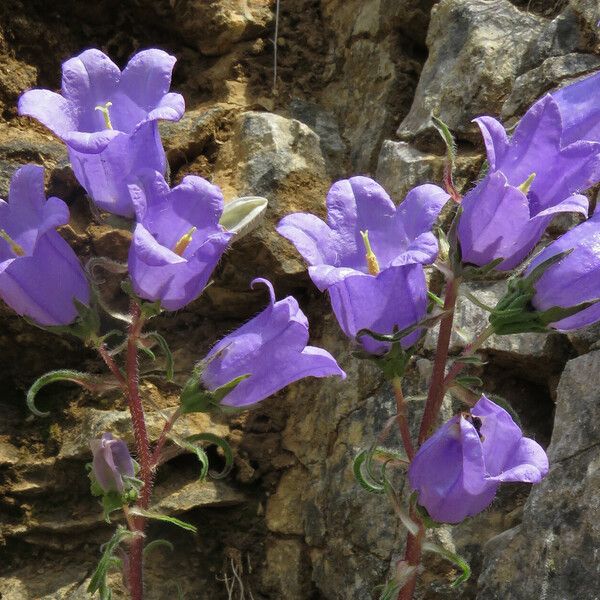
412,555
402,419
140,434
435,396
163,437
112,366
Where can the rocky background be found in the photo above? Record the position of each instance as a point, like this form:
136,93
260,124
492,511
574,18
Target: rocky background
357,81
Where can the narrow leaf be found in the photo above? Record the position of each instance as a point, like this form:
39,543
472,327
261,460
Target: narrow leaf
150,547
164,346
98,580
136,510
90,382
358,467
454,558
469,380
222,443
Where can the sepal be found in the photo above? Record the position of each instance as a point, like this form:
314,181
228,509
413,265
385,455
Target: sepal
243,215
195,398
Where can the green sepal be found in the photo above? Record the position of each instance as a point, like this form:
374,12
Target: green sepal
474,272
435,299
454,558
108,560
149,514
90,382
194,398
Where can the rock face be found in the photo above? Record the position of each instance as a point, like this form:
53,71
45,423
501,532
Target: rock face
290,521
557,541
472,62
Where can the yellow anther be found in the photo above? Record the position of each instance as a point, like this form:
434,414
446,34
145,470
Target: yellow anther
103,108
184,242
16,248
372,263
526,185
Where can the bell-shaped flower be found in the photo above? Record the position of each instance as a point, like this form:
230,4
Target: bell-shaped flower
108,119
458,470
398,236
532,177
270,351
40,275
575,279
111,462
177,240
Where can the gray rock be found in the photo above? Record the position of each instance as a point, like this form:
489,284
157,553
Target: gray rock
557,543
588,11
531,85
401,167
534,353
472,62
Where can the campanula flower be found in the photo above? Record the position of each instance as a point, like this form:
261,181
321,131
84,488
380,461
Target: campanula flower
111,463
573,280
177,240
108,119
368,255
532,177
40,275
458,470
271,349
357,206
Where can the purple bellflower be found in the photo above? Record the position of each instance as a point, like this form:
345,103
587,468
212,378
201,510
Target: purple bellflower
111,463
573,280
458,470
532,177
271,349
108,119
177,240
40,275
368,255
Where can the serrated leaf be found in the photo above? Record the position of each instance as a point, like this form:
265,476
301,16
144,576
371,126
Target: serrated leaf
93,383
136,510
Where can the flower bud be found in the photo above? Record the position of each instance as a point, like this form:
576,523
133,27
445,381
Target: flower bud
111,463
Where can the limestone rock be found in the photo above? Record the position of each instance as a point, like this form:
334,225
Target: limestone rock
213,26
533,84
472,62
287,575
557,542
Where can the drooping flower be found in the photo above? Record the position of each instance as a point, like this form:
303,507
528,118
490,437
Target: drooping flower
271,349
111,463
368,255
177,240
40,275
108,119
532,177
573,280
458,470
398,236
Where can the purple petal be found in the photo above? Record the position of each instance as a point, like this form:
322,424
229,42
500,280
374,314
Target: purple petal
528,463
495,139
580,110
395,297
501,435
43,286
91,143
312,237
420,209
50,109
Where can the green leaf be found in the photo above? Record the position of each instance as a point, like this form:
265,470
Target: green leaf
448,138
469,380
435,299
471,360
460,562
222,443
164,346
136,510
93,383
98,580
363,476
111,501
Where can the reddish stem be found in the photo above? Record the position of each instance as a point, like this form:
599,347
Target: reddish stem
402,420
412,556
163,437
112,365
140,434
435,396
